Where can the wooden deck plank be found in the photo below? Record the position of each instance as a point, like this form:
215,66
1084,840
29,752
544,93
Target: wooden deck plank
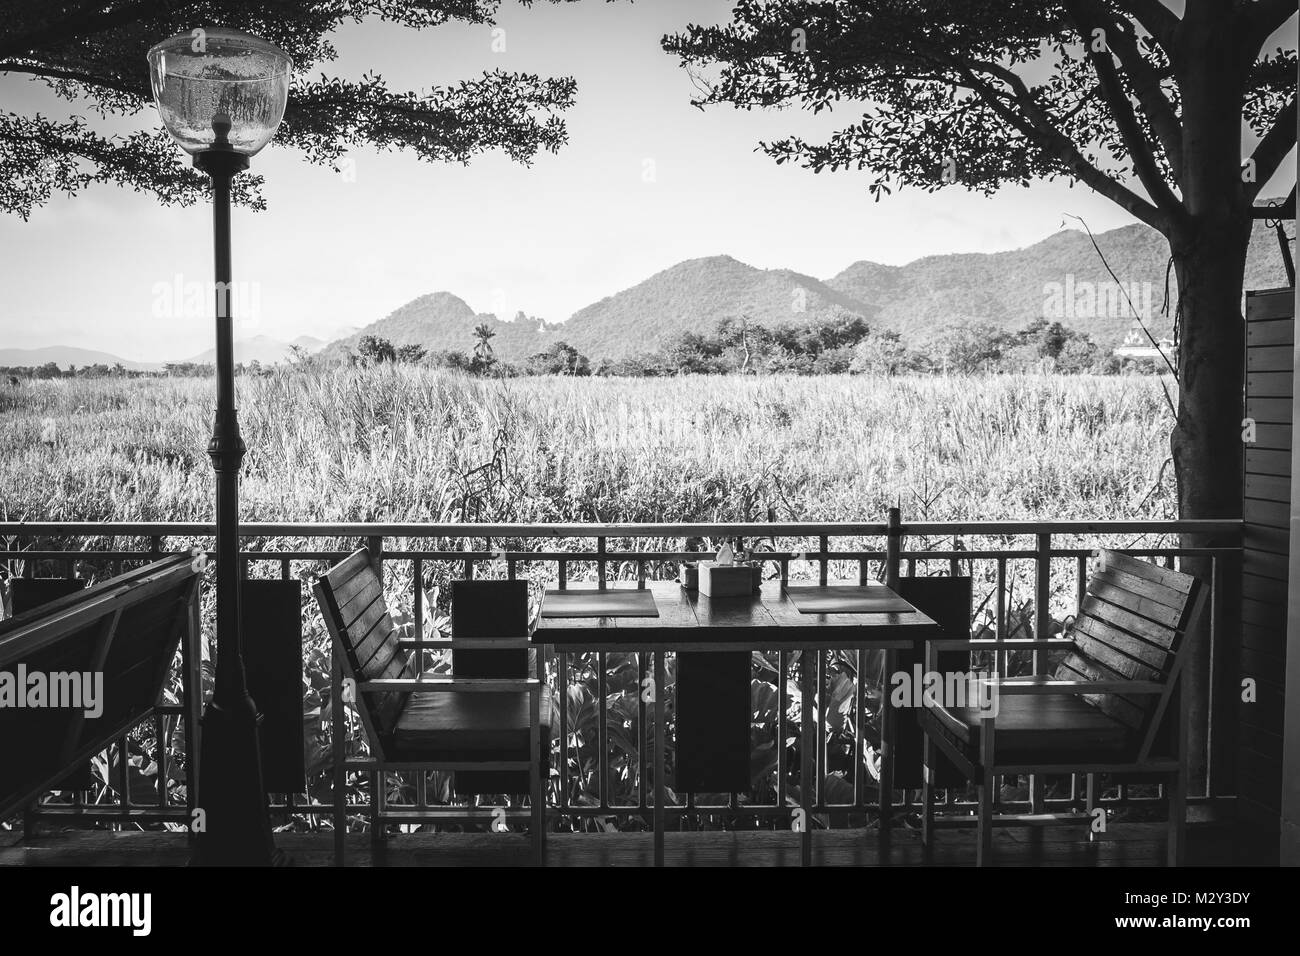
1127,844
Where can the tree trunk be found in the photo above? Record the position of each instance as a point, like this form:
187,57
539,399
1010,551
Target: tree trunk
1209,240
1207,453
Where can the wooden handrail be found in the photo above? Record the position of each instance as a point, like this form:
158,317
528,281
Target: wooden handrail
756,529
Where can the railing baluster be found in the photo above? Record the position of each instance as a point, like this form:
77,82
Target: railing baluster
825,547
160,759
1042,631
1042,596
782,702
1001,657
642,749
417,600
123,776
859,721
600,561
822,741
602,730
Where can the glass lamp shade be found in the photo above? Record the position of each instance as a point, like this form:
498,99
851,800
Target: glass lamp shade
220,89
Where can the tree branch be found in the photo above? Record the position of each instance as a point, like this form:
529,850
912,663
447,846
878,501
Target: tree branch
88,79
1146,81
70,28
1039,129
1264,17
1274,148
1159,21
1121,109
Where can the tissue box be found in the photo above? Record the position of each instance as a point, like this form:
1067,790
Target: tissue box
726,580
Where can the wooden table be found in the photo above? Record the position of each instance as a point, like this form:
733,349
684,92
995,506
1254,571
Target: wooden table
769,620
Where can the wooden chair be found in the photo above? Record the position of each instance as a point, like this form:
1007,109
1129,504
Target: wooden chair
489,723
127,629
1114,704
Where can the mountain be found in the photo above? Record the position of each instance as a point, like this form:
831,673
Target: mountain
441,322
312,344
693,296
66,355
1059,278
1009,289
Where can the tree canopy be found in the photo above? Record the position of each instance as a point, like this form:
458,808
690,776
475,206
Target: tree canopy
982,93
93,56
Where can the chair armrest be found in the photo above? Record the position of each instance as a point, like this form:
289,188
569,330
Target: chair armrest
932,647
453,685
957,643
1022,688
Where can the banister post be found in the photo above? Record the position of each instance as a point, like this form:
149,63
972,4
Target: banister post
893,547
1042,595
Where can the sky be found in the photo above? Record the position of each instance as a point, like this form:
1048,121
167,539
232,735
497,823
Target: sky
335,251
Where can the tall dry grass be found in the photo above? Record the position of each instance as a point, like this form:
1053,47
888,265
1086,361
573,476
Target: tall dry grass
411,444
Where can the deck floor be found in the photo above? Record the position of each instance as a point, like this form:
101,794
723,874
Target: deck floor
1134,844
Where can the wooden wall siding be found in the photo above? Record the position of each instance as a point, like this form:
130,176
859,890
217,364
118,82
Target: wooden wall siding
1270,345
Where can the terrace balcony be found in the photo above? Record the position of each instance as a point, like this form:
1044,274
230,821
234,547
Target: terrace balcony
1028,578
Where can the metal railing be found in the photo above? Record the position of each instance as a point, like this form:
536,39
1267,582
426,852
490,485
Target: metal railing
1001,551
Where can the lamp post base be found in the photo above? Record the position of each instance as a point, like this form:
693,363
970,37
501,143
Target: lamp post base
235,828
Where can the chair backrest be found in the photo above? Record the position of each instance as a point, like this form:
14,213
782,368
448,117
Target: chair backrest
126,629
31,593
489,609
947,602
1133,625
351,599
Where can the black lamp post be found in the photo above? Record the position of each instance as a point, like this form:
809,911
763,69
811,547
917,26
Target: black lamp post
221,95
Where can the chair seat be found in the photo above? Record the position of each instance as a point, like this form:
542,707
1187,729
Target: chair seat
1051,728
449,726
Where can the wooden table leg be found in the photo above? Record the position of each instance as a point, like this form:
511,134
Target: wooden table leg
661,745
887,717
807,773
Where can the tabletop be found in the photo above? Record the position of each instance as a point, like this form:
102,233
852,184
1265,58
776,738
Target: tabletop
768,620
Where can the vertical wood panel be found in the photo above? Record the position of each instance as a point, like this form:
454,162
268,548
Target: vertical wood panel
1269,364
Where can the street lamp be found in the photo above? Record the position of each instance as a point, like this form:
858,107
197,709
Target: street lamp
221,95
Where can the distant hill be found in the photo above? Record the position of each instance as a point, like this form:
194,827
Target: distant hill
1009,289
1003,289
66,355
692,296
441,322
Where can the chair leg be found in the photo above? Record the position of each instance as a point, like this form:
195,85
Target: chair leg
1178,781
378,780
339,748
984,835
1177,818
1090,803
927,792
988,790
537,783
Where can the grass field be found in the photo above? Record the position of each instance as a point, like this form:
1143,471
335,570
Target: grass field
425,445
